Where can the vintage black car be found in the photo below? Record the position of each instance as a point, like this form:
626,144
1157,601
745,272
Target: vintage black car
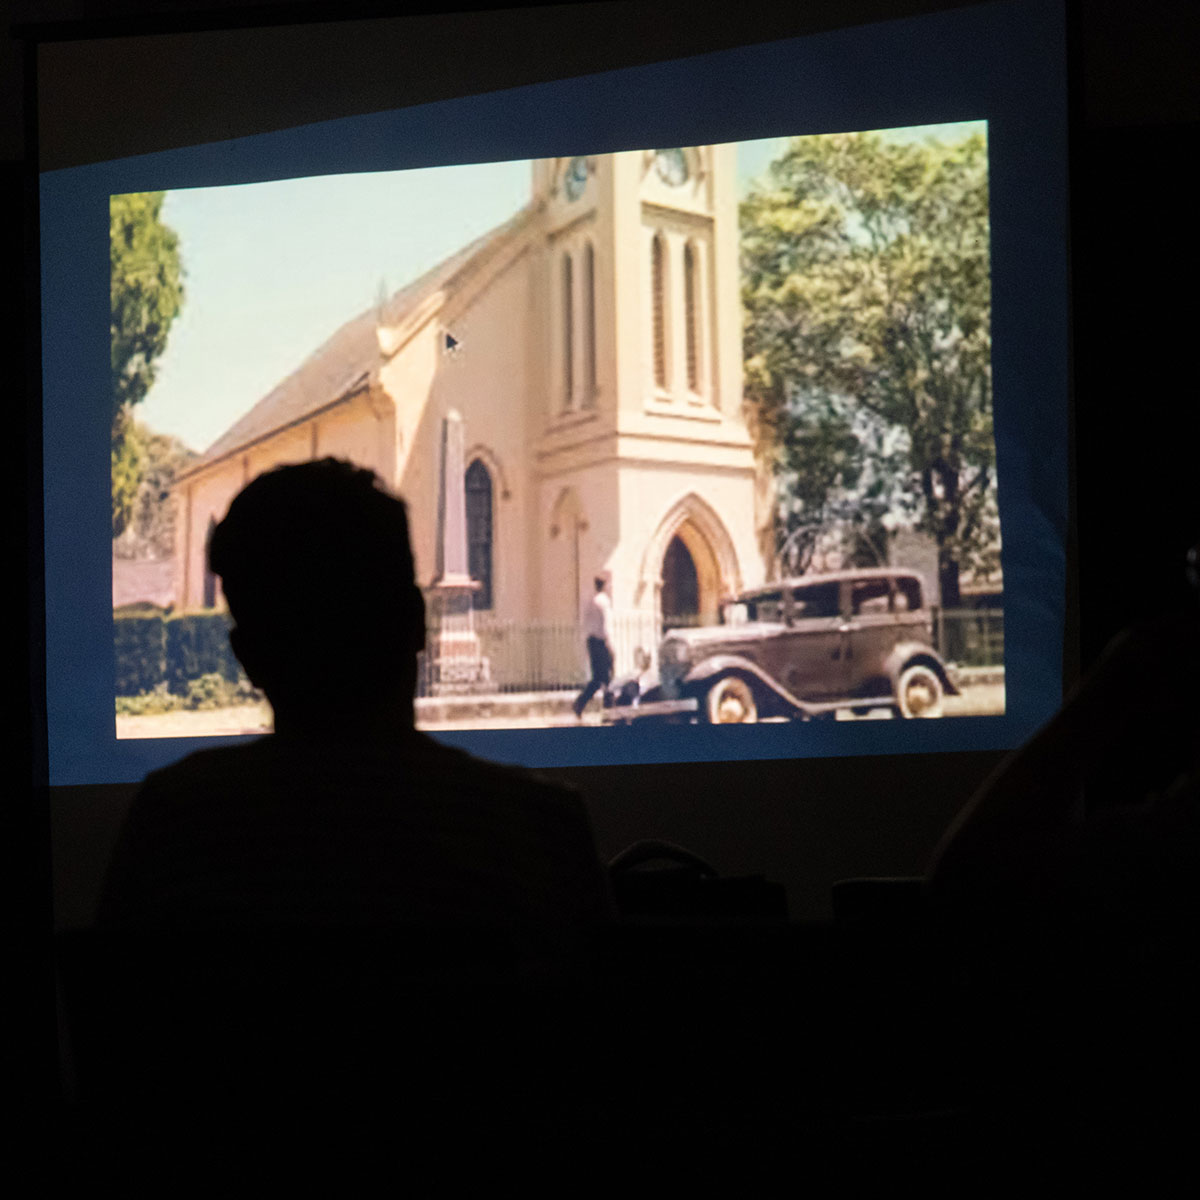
801,649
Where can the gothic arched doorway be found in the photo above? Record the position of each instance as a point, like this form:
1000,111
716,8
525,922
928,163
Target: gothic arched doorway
690,580
680,596
690,566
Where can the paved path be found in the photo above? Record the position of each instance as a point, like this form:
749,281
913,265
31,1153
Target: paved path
985,699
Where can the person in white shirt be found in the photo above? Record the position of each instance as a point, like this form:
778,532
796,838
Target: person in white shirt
597,627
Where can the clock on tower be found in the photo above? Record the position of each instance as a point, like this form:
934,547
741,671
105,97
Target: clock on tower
672,167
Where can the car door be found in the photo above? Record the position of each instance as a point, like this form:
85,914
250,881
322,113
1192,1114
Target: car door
806,657
913,620
870,631
756,639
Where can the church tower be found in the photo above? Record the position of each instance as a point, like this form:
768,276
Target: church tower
645,467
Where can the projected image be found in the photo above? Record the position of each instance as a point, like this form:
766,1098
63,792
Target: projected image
695,435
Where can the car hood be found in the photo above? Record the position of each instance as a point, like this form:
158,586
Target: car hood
703,636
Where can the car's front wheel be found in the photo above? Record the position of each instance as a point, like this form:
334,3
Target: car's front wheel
919,692
730,701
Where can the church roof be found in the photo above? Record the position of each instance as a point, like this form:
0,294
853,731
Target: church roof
349,359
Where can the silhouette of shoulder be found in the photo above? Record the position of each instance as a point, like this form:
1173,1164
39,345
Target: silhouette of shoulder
283,830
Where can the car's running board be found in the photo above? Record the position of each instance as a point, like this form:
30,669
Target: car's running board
866,702
624,714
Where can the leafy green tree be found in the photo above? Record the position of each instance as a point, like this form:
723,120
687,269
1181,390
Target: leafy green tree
836,474
866,291
146,285
149,530
128,463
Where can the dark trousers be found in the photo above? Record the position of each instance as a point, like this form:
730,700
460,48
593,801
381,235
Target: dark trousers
602,666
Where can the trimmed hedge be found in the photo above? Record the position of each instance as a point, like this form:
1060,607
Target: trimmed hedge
153,647
198,644
139,645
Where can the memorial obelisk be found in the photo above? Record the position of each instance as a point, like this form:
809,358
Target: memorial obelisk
457,662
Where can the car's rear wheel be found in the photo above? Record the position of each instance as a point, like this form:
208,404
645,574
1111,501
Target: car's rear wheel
730,701
919,692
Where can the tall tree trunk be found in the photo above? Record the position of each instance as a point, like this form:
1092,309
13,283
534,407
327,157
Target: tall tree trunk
951,596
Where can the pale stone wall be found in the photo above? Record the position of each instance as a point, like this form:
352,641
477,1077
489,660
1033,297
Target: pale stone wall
147,580
360,432
578,520
617,519
627,250
354,431
593,495
613,477
487,381
206,498
407,378
594,483
710,511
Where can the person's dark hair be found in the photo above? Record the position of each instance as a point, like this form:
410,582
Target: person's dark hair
316,565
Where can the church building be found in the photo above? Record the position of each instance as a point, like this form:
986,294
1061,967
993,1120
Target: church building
588,353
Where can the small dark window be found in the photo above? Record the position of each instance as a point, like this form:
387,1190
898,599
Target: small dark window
568,333
659,301
908,594
691,318
768,607
817,600
589,326
871,596
210,580
479,532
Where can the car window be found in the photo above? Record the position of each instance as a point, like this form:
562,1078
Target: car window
870,596
768,607
736,614
817,600
908,594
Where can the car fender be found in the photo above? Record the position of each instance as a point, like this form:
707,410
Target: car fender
725,664
907,654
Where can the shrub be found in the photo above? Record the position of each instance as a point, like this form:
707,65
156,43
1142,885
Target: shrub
140,608
139,651
244,692
197,644
209,691
151,703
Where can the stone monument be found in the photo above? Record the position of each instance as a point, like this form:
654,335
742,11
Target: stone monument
458,664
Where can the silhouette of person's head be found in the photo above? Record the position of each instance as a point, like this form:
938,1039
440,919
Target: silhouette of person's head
317,569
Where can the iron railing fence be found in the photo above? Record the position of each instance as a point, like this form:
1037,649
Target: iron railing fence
508,656
529,656
970,637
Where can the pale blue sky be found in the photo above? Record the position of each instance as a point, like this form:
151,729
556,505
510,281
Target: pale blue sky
274,269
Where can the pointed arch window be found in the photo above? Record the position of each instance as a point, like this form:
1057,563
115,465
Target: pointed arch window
480,562
568,308
691,292
589,326
210,580
658,299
